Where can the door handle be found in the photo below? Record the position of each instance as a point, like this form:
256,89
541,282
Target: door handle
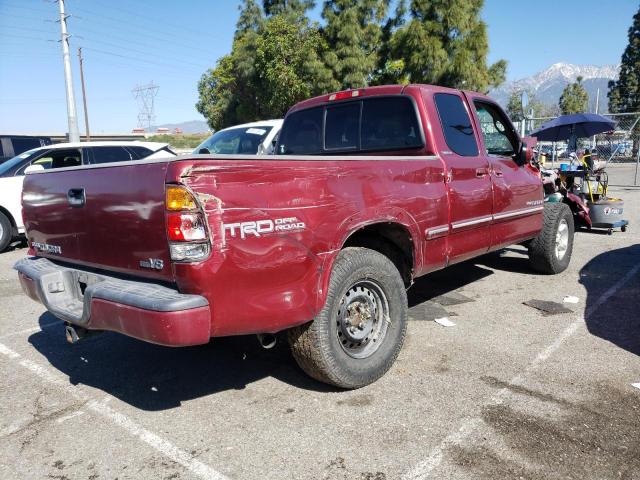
481,172
76,197
498,173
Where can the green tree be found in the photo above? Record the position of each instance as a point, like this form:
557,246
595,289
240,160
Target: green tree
624,94
295,10
353,33
274,63
251,19
574,98
288,65
444,42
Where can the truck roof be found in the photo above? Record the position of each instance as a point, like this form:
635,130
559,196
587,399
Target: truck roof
370,91
131,143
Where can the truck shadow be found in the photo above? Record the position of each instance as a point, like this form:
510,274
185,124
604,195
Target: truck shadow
154,378
444,281
613,315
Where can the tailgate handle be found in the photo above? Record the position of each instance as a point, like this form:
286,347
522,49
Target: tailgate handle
76,197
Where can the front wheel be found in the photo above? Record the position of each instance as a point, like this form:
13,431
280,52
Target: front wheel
359,332
550,252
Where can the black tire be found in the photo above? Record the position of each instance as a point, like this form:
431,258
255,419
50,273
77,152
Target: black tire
6,232
363,285
544,257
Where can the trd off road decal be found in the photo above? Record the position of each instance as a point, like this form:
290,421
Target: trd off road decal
259,228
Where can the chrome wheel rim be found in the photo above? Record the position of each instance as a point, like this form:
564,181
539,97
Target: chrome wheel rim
1,230
362,319
562,239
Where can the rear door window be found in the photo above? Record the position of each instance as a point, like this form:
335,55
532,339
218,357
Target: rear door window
139,152
109,155
456,124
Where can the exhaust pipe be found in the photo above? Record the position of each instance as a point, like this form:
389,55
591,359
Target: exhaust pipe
74,334
266,340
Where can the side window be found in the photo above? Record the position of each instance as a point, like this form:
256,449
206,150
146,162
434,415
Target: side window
64,158
302,133
456,124
45,160
389,123
498,135
139,152
110,154
341,127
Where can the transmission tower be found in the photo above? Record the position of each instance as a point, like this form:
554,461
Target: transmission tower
145,95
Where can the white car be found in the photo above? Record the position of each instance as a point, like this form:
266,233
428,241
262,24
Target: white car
256,138
55,156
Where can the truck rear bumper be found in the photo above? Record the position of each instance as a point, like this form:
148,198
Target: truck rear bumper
144,310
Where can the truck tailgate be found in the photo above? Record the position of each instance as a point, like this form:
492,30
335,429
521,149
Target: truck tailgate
109,217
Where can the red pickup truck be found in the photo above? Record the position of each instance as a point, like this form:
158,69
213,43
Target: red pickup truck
368,190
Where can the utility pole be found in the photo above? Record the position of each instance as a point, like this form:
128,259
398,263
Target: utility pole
84,98
74,134
145,95
597,107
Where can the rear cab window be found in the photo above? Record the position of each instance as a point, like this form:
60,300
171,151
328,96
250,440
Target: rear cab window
376,123
456,124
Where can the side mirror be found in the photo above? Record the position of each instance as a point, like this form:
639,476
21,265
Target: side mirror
34,168
204,151
525,153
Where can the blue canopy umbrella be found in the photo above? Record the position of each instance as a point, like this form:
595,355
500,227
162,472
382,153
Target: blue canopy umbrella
577,125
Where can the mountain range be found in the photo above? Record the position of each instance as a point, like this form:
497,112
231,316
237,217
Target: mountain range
547,86
192,126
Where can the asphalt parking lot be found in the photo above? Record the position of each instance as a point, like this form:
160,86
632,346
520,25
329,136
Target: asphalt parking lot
505,393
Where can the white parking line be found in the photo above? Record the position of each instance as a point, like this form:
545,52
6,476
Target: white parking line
100,408
423,469
27,331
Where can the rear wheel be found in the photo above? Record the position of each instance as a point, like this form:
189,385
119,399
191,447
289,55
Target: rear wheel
550,252
6,232
359,332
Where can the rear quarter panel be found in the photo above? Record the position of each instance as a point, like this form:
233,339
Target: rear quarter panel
277,280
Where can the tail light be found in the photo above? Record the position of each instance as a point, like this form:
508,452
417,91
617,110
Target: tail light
186,226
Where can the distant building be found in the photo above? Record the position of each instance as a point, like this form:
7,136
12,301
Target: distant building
138,130
163,131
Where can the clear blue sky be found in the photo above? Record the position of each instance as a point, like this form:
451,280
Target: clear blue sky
126,43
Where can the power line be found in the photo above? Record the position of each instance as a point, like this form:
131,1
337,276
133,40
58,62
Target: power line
188,29
140,30
137,59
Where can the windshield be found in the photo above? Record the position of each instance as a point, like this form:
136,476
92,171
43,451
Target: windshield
245,140
15,161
